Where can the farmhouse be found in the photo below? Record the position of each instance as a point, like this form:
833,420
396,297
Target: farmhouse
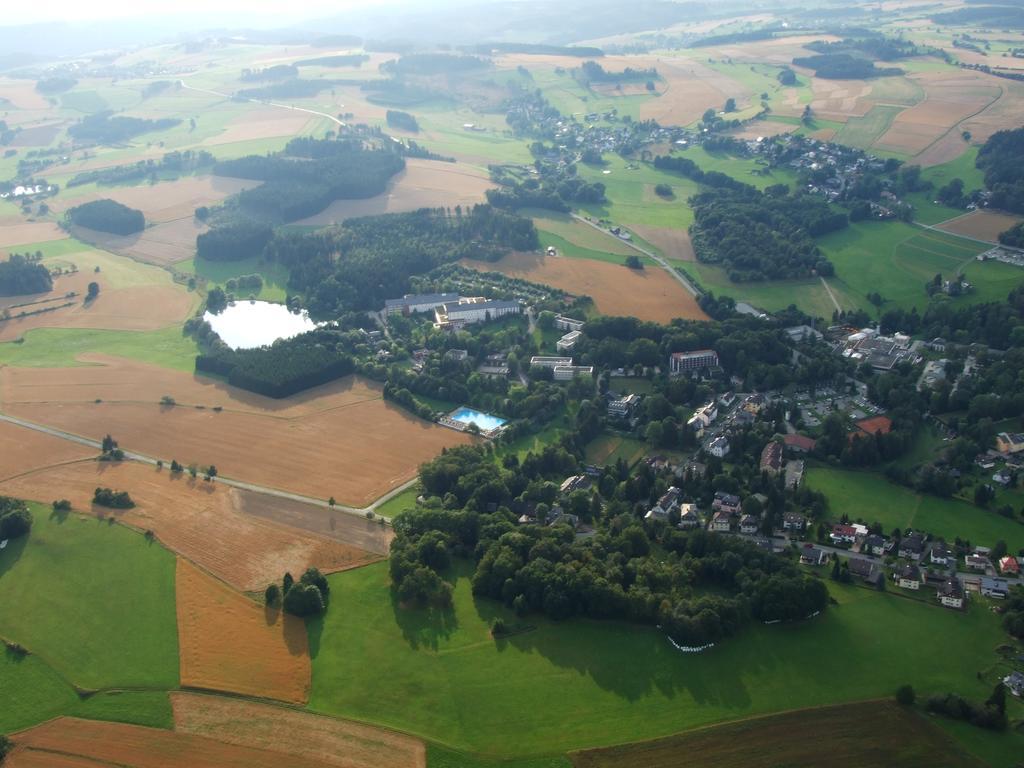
685,362
997,588
567,342
951,593
426,302
771,458
1010,442
564,323
909,577
473,310
719,446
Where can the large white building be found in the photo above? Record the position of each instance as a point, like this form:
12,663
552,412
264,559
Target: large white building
422,302
567,342
568,372
684,362
474,310
564,323
547,361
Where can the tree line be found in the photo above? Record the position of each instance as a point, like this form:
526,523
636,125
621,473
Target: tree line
105,128
176,162
1002,160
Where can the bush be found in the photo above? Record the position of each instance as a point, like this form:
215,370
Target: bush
106,497
498,627
272,595
905,695
62,506
663,190
15,518
304,600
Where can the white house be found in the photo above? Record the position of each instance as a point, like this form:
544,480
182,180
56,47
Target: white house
951,593
909,577
719,446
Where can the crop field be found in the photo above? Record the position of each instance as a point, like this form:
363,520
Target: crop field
864,131
870,496
981,225
337,440
673,243
126,637
229,643
70,742
649,294
873,734
208,523
334,742
23,451
16,231
423,184
578,233
164,244
563,686
690,87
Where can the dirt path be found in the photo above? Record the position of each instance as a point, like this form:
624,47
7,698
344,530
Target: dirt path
831,295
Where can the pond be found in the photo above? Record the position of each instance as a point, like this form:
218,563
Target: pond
250,324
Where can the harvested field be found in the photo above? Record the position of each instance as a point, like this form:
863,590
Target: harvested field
688,89
24,450
168,201
1007,112
839,99
92,743
195,519
648,294
16,231
37,135
673,243
22,94
873,734
229,643
335,742
336,440
164,244
981,225
423,184
263,123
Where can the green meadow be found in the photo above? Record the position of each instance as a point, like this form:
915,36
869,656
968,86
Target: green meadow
864,131
870,497
106,616
275,276
579,683
61,347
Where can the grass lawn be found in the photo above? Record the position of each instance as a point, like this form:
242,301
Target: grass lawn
862,132
608,449
576,232
579,683
574,251
93,600
535,442
32,691
275,276
869,496
60,347
400,503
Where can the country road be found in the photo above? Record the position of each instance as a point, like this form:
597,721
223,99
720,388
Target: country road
332,118
692,289
266,491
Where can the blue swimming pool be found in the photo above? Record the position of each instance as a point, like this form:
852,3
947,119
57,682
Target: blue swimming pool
484,421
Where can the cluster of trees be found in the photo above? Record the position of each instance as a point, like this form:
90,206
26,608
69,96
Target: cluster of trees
306,597
540,49
592,72
23,274
990,715
107,216
1014,236
246,283
844,66
402,120
282,369
340,60
554,191
105,128
684,166
296,88
233,241
997,16
107,497
763,235
55,84
295,188
173,162
786,76
875,46
1002,160
15,518
433,64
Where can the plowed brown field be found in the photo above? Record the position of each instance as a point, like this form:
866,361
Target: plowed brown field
77,742
337,742
25,450
164,244
229,643
340,440
673,243
19,232
983,225
196,519
648,294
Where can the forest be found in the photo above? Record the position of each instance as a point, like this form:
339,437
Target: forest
557,189
105,128
275,72
173,162
233,241
592,72
402,120
107,216
1002,160
875,46
843,66
341,60
433,64
295,188
763,235
684,166
21,275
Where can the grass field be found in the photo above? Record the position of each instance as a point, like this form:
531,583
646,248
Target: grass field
403,501
608,449
60,347
565,685
106,617
869,496
862,132
275,276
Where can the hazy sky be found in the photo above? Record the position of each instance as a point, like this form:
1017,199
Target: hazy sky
248,11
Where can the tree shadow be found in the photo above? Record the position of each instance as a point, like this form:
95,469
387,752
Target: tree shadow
59,515
271,613
10,554
423,627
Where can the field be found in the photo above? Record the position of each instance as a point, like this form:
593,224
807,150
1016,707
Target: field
649,294
208,523
869,496
981,225
608,449
334,742
578,233
423,184
65,347
275,275
23,451
672,243
564,685
15,232
73,743
336,440
229,643
105,618
874,734
164,244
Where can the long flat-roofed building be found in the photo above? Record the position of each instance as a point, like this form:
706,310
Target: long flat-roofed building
474,310
682,362
418,302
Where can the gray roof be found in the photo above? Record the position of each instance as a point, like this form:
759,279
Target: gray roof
423,298
485,305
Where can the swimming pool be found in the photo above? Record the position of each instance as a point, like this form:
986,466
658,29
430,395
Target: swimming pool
484,421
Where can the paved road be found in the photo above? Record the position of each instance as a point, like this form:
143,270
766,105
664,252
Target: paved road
332,118
142,458
668,267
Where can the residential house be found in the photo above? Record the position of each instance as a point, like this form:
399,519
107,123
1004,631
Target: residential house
1015,682
458,355
951,593
909,577
623,407
874,544
1009,566
727,399
689,517
754,404
750,524
912,546
1010,442
771,458
726,502
997,588
1003,478
719,446
799,443
573,483
793,521
941,554
668,502
722,522
866,570
977,563
811,555
843,534
695,469
686,362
